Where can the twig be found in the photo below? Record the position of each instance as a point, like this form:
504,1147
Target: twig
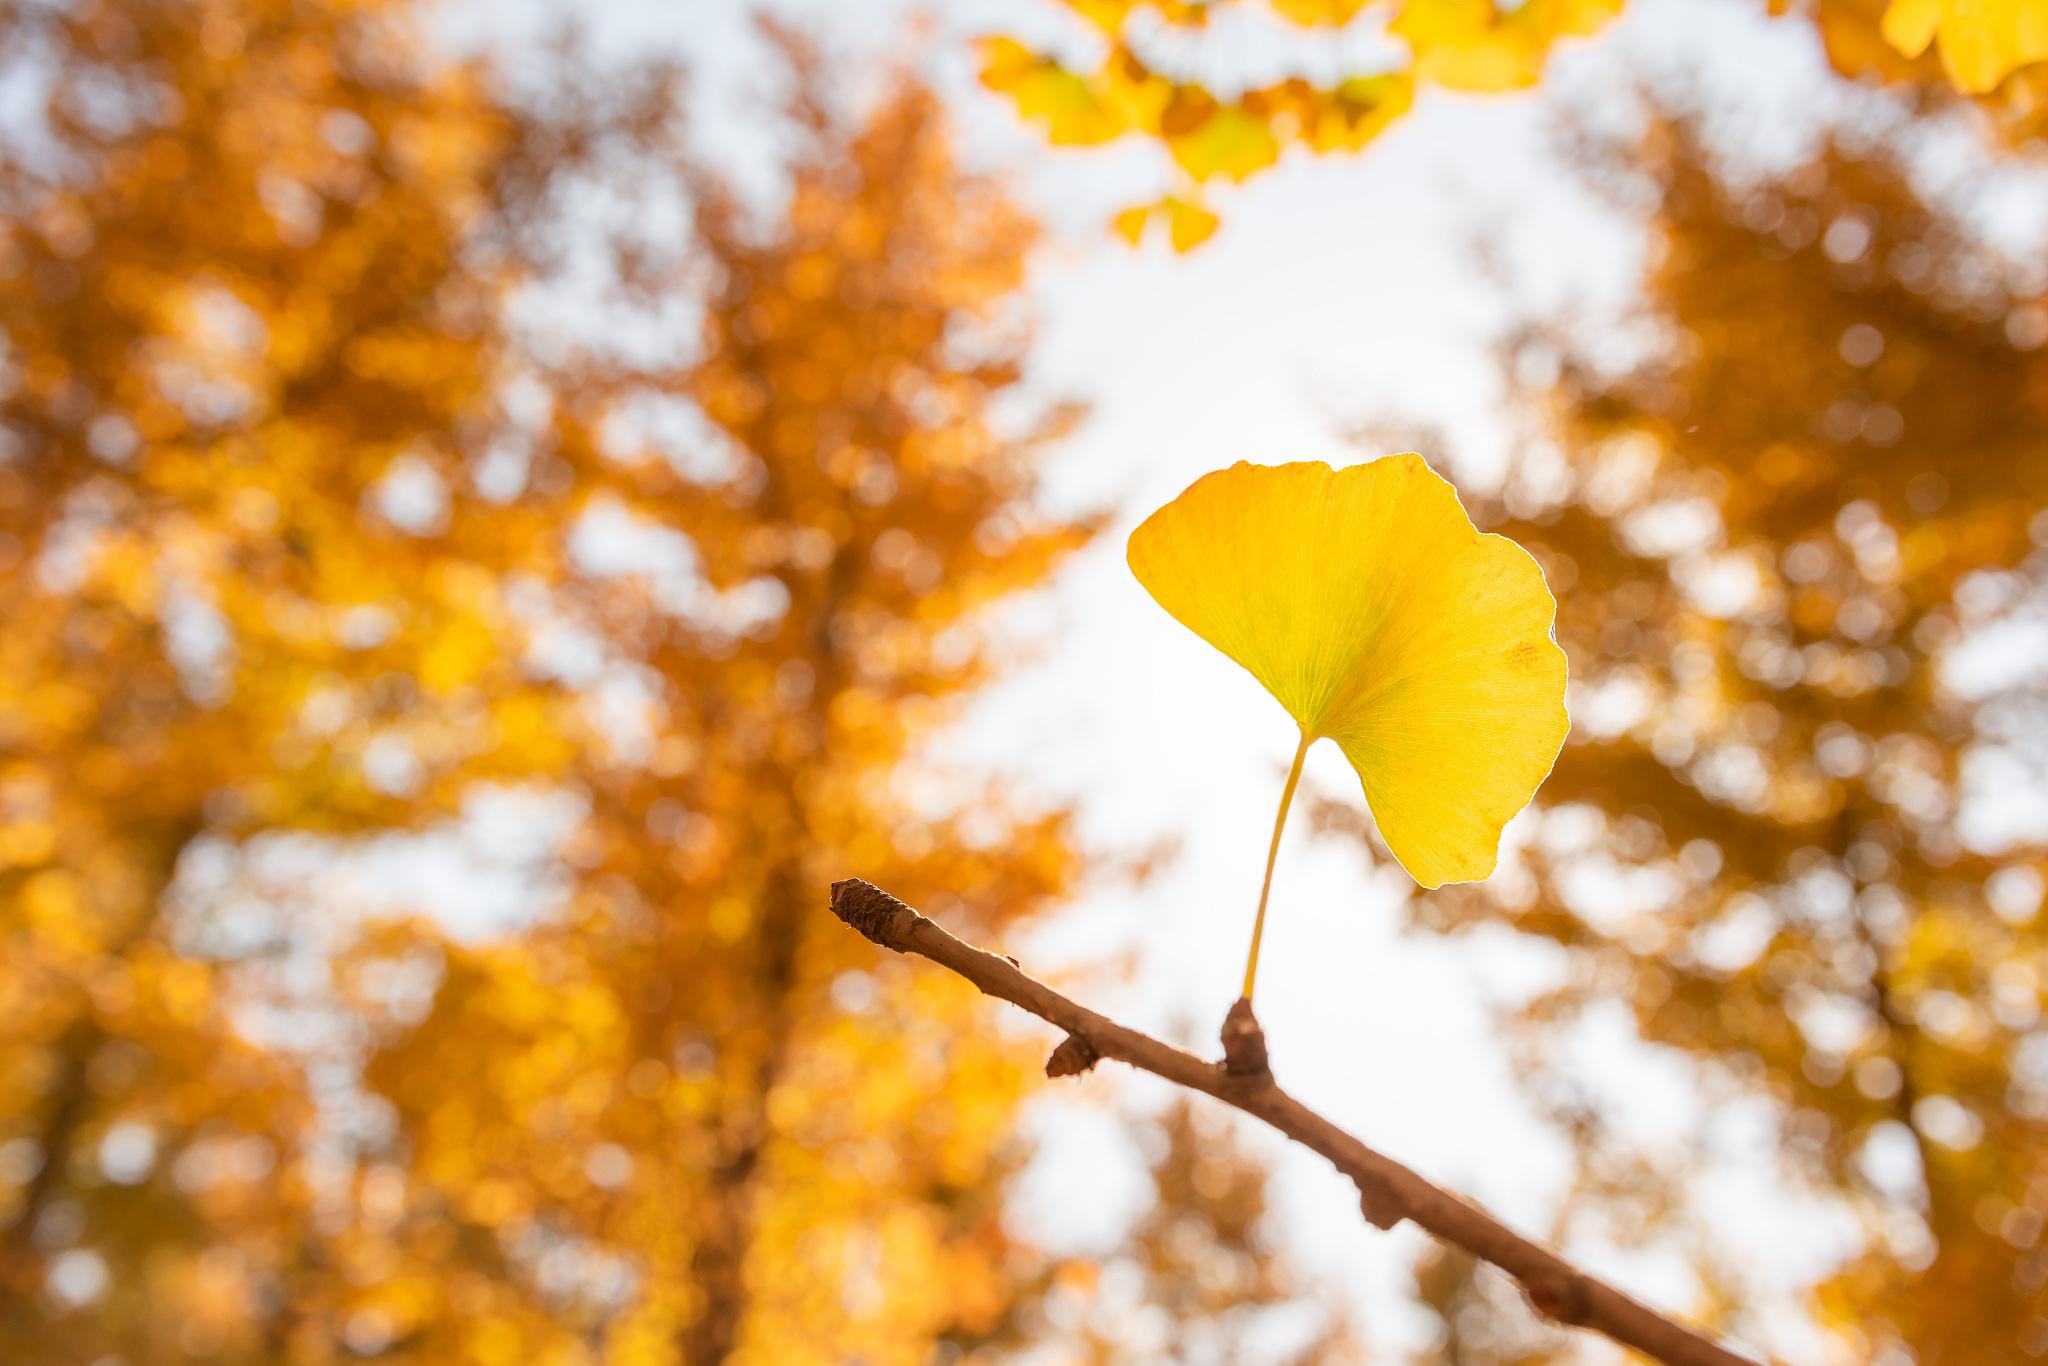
1388,1191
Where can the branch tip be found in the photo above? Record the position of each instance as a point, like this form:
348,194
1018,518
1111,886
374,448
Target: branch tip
877,915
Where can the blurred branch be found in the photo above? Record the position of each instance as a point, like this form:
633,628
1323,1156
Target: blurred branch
1388,1191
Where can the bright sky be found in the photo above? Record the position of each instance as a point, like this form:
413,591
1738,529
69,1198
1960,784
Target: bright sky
1338,291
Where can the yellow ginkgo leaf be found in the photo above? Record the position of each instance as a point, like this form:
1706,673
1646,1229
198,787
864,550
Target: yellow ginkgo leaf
1230,142
1982,41
1188,224
1130,223
1367,603
1045,92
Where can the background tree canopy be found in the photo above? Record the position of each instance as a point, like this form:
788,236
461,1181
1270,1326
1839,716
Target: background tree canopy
483,546
1788,541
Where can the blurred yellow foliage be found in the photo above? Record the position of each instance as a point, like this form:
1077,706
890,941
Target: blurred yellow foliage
1475,45
1782,836
317,529
228,287
1981,43
1140,79
1134,88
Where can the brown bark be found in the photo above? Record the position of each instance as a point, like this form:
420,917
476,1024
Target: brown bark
1388,1191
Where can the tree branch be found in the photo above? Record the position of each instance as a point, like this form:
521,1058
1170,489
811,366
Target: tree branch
1388,1191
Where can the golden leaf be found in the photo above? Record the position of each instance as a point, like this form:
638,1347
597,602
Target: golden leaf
1188,224
1047,93
1229,142
1367,603
1130,223
1982,41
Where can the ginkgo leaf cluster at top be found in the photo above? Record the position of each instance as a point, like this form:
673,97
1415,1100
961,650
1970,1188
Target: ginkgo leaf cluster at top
1138,84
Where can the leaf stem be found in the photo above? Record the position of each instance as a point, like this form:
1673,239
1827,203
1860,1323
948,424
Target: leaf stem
1251,962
